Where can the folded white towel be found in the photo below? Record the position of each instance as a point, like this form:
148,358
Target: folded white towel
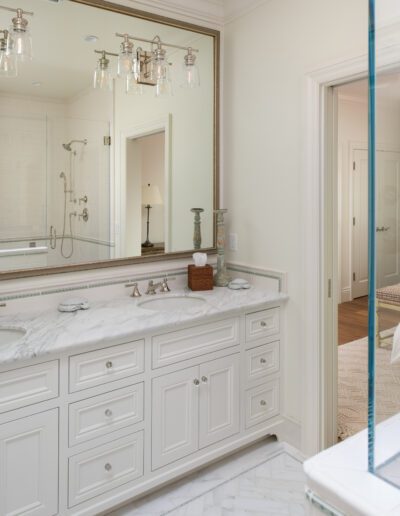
396,346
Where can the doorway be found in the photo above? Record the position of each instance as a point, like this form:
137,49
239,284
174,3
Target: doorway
352,225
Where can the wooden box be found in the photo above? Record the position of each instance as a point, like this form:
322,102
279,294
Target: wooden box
200,278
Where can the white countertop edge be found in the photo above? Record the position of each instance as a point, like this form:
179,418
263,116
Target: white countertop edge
340,477
59,333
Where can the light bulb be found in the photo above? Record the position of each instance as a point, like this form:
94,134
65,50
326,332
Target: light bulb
8,65
191,77
132,86
125,58
21,38
8,60
102,78
159,64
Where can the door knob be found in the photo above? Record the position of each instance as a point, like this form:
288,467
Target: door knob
196,381
204,379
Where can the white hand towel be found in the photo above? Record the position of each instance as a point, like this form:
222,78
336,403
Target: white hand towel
396,346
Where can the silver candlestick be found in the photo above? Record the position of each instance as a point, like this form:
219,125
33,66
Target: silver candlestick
197,227
221,278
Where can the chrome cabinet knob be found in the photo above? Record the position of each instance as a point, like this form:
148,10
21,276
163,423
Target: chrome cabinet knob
108,466
263,361
263,403
263,324
108,413
204,379
109,364
196,381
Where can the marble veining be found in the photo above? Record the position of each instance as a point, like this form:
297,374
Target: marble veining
264,479
119,319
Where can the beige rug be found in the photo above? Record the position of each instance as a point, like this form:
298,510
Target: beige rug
352,387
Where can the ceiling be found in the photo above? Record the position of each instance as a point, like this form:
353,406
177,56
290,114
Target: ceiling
63,61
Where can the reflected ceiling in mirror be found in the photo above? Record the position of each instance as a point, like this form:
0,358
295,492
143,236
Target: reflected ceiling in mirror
104,157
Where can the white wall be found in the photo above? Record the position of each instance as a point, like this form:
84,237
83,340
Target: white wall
267,55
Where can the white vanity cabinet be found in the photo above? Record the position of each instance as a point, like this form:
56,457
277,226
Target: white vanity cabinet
29,465
87,430
194,408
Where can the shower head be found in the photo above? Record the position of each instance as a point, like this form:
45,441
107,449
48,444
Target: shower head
68,146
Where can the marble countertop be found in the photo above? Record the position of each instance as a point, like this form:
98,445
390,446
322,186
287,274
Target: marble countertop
52,332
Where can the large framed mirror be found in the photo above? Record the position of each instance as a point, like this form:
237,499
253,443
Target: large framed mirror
109,122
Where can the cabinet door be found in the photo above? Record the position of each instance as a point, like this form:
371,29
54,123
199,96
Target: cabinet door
175,416
219,399
29,465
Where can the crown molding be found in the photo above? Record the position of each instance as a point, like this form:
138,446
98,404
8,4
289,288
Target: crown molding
209,13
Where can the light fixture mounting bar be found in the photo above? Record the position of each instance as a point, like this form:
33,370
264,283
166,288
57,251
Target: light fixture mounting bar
12,10
104,52
156,41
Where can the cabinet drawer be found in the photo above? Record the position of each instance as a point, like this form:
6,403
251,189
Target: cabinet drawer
262,361
28,385
262,403
105,365
198,340
102,414
262,324
99,470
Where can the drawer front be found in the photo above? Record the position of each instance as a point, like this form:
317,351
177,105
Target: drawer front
105,365
262,361
262,324
262,403
104,468
28,385
106,413
183,344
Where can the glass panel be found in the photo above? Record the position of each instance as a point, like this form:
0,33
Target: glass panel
384,241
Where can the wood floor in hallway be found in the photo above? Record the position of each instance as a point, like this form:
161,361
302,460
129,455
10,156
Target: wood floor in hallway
353,320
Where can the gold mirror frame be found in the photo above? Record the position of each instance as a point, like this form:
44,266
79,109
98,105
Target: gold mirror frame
108,6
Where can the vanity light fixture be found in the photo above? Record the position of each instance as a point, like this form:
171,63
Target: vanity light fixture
8,61
20,40
102,78
126,59
191,77
153,68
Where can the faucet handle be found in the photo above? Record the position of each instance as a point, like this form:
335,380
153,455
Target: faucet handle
164,285
135,291
151,288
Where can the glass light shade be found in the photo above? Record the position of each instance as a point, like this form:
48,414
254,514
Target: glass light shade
125,64
8,64
102,79
159,65
20,44
132,86
163,88
191,77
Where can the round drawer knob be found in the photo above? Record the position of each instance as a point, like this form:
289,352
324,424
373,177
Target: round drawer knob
263,403
263,324
108,467
263,361
109,364
108,413
196,381
204,379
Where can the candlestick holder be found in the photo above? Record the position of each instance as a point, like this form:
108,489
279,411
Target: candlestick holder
221,277
197,227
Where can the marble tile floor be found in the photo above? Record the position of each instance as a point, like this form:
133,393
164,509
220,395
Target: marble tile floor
265,479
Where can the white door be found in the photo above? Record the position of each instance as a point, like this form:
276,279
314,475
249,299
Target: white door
387,218
360,224
29,465
219,400
175,416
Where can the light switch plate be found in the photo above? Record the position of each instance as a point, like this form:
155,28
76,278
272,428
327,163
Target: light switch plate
233,242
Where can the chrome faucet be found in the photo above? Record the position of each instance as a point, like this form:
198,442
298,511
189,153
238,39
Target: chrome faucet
135,291
152,287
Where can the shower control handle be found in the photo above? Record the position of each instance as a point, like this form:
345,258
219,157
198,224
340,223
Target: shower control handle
84,215
83,199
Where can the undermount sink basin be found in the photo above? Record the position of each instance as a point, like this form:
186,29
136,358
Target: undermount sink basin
10,335
172,304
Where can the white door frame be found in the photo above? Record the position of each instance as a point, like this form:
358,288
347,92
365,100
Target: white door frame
320,284
145,129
